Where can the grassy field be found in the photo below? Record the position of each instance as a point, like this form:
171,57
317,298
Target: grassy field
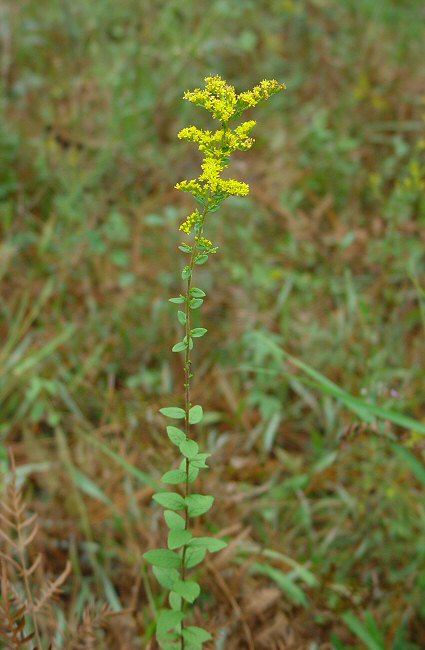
313,374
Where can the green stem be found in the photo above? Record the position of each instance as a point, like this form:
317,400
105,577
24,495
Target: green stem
187,378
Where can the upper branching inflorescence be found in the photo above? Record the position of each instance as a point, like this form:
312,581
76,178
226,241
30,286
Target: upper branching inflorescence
225,105
210,189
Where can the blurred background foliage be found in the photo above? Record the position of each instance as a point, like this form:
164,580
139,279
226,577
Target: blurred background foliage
324,259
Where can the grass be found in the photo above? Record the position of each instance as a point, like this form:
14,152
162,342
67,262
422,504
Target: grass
323,494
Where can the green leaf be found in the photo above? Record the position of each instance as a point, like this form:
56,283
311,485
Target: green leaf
170,500
362,632
365,410
178,538
186,273
185,248
142,477
188,589
181,316
173,412
176,435
194,556
167,620
89,487
163,558
195,414
193,471
173,477
174,521
189,448
177,301
283,580
179,347
414,464
175,601
211,544
217,205
198,504
196,635
197,332
201,259
197,293
193,474
166,577
199,461
195,303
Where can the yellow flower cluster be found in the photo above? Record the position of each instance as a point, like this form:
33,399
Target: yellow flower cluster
259,93
190,222
223,139
203,241
211,170
206,244
234,188
189,186
220,99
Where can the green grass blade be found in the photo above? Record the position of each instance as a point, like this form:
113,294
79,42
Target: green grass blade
415,465
144,478
362,632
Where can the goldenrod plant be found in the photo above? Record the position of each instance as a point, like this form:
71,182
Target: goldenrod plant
171,566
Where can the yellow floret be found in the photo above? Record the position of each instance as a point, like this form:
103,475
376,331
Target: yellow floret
187,225
211,170
263,91
189,186
243,129
233,187
218,97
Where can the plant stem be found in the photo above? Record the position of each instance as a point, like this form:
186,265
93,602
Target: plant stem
187,378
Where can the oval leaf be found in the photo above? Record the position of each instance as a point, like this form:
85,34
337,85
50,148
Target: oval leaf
197,293
173,477
176,435
179,347
193,471
181,317
195,635
195,414
199,461
198,504
201,259
189,448
211,544
175,601
178,538
170,500
163,558
174,521
167,620
198,332
194,556
173,412
187,589
166,577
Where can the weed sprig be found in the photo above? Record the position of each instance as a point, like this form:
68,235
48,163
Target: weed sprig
209,190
